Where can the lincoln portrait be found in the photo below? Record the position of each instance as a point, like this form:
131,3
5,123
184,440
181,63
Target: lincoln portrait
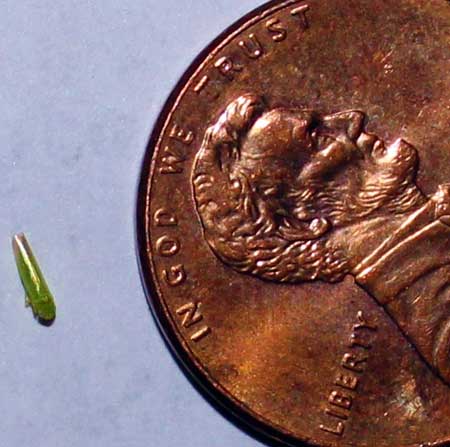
291,195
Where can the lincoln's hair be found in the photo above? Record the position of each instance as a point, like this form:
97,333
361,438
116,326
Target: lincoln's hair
248,224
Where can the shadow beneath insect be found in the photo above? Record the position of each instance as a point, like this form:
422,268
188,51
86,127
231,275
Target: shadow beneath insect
45,323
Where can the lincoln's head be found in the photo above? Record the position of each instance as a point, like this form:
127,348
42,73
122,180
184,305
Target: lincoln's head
277,189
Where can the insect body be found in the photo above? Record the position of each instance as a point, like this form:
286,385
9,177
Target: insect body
38,295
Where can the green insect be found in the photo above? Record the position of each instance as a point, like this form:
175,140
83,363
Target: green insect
38,295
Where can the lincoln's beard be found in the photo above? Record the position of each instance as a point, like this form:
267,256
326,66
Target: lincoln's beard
264,240
359,195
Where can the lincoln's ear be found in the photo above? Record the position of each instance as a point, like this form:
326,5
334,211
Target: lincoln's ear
351,122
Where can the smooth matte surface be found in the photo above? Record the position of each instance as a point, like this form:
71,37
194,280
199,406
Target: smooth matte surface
81,84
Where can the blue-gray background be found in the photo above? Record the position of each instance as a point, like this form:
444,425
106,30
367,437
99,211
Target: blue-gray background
81,85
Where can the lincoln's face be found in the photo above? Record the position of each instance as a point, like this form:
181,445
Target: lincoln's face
274,186
326,166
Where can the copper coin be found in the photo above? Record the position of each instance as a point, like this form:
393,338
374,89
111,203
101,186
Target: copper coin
294,221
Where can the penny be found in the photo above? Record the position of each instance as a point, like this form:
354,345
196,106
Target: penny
294,222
